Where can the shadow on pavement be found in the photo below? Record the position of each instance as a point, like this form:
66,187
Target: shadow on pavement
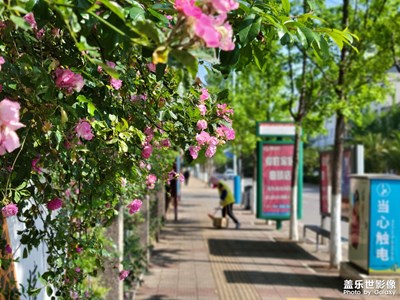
162,258
278,278
157,297
267,249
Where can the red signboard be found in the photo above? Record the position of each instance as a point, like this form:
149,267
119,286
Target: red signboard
277,161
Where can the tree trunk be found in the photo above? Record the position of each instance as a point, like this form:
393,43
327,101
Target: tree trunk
336,205
294,231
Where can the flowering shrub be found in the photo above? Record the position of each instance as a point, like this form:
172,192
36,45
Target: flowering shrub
87,91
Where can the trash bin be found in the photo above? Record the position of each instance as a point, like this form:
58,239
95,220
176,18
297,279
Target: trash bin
247,196
374,230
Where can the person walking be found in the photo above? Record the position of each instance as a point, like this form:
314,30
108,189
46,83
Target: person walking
226,199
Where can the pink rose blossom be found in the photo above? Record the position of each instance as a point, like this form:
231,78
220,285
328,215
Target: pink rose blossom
74,295
169,17
147,150
213,141
202,138
211,151
148,131
151,67
30,18
188,8
224,6
123,274
226,42
40,34
134,206
201,124
66,79
110,64
84,130
151,180
181,178
166,143
204,94
225,132
115,83
205,28
77,270
8,249
2,61
194,151
78,250
203,109
54,204
9,123
34,165
9,210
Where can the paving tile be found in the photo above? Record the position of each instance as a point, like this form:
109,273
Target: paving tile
192,260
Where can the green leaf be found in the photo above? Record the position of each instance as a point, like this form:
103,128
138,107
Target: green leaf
136,13
123,146
159,16
148,29
173,116
160,71
249,29
49,291
259,57
115,8
20,22
286,6
302,37
186,59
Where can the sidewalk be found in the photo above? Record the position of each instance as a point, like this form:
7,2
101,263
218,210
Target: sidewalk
195,261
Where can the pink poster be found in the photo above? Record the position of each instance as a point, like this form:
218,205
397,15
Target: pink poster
277,177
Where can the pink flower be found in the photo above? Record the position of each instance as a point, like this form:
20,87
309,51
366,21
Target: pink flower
148,131
66,79
9,210
188,8
99,69
30,18
205,29
224,112
194,151
224,6
77,270
202,138
151,180
78,250
165,143
213,141
226,42
110,64
9,122
204,94
40,34
8,249
123,274
151,67
54,204
203,109
2,61
225,132
211,151
84,130
74,295
201,124
169,17
134,206
34,165
115,83
123,182
181,178
147,150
